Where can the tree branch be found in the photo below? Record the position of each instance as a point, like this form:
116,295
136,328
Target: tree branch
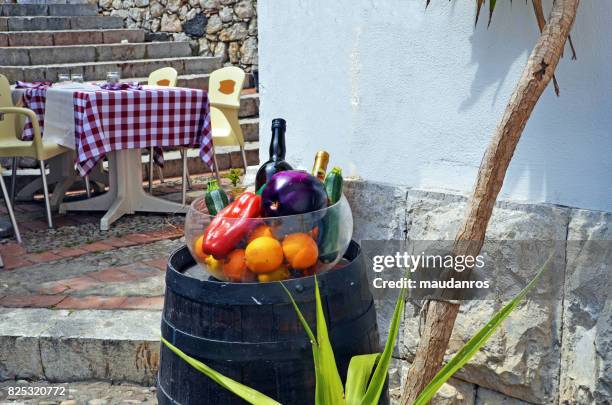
534,79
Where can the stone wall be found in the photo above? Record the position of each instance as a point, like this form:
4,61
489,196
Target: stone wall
548,351
225,28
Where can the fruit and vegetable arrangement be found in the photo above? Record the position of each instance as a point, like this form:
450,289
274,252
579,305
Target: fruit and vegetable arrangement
294,225
282,233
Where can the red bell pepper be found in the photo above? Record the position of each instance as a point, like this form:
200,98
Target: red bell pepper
231,225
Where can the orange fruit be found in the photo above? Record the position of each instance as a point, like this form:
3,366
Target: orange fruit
198,251
261,230
264,255
300,250
279,274
235,268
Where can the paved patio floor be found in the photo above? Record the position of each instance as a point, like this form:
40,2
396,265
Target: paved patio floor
78,295
78,266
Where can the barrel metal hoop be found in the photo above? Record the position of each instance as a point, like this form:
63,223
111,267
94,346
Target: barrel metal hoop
162,396
201,347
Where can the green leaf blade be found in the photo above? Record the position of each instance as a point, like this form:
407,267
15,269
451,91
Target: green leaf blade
476,342
311,335
250,395
377,383
329,390
358,376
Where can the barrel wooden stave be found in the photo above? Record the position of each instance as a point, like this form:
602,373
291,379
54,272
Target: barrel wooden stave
263,346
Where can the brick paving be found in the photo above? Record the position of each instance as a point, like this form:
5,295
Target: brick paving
129,277
76,266
81,230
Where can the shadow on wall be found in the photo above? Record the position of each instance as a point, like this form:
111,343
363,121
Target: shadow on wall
492,58
556,152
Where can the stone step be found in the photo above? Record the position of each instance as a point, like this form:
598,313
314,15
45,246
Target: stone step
59,23
227,157
21,10
249,108
49,55
197,81
249,103
99,70
250,129
47,344
71,37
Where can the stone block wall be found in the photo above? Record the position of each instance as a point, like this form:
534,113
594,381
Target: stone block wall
225,28
548,351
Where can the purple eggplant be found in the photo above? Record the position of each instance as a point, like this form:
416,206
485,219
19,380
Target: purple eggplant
292,192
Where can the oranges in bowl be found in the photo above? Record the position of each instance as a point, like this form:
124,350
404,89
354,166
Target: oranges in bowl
267,255
264,255
267,249
300,250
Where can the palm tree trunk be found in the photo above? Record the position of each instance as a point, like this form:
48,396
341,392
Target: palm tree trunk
537,74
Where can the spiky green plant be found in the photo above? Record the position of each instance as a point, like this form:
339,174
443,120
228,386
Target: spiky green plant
366,373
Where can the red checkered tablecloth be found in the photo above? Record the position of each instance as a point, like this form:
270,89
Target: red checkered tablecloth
126,119
34,99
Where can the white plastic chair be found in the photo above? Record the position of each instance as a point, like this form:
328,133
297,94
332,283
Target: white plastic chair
224,88
12,146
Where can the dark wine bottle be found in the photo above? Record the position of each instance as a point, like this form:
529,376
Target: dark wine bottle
276,163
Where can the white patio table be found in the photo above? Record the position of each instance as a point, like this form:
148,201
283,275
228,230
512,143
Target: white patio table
118,123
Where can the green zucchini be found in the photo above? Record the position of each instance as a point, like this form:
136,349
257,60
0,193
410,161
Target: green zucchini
328,236
333,185
330,224
215,198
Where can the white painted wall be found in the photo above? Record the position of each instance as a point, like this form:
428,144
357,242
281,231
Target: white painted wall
400,94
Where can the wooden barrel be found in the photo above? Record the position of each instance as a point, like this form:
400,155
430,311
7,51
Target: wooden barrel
250,332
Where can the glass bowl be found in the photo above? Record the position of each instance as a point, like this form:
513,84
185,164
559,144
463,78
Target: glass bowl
271,249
